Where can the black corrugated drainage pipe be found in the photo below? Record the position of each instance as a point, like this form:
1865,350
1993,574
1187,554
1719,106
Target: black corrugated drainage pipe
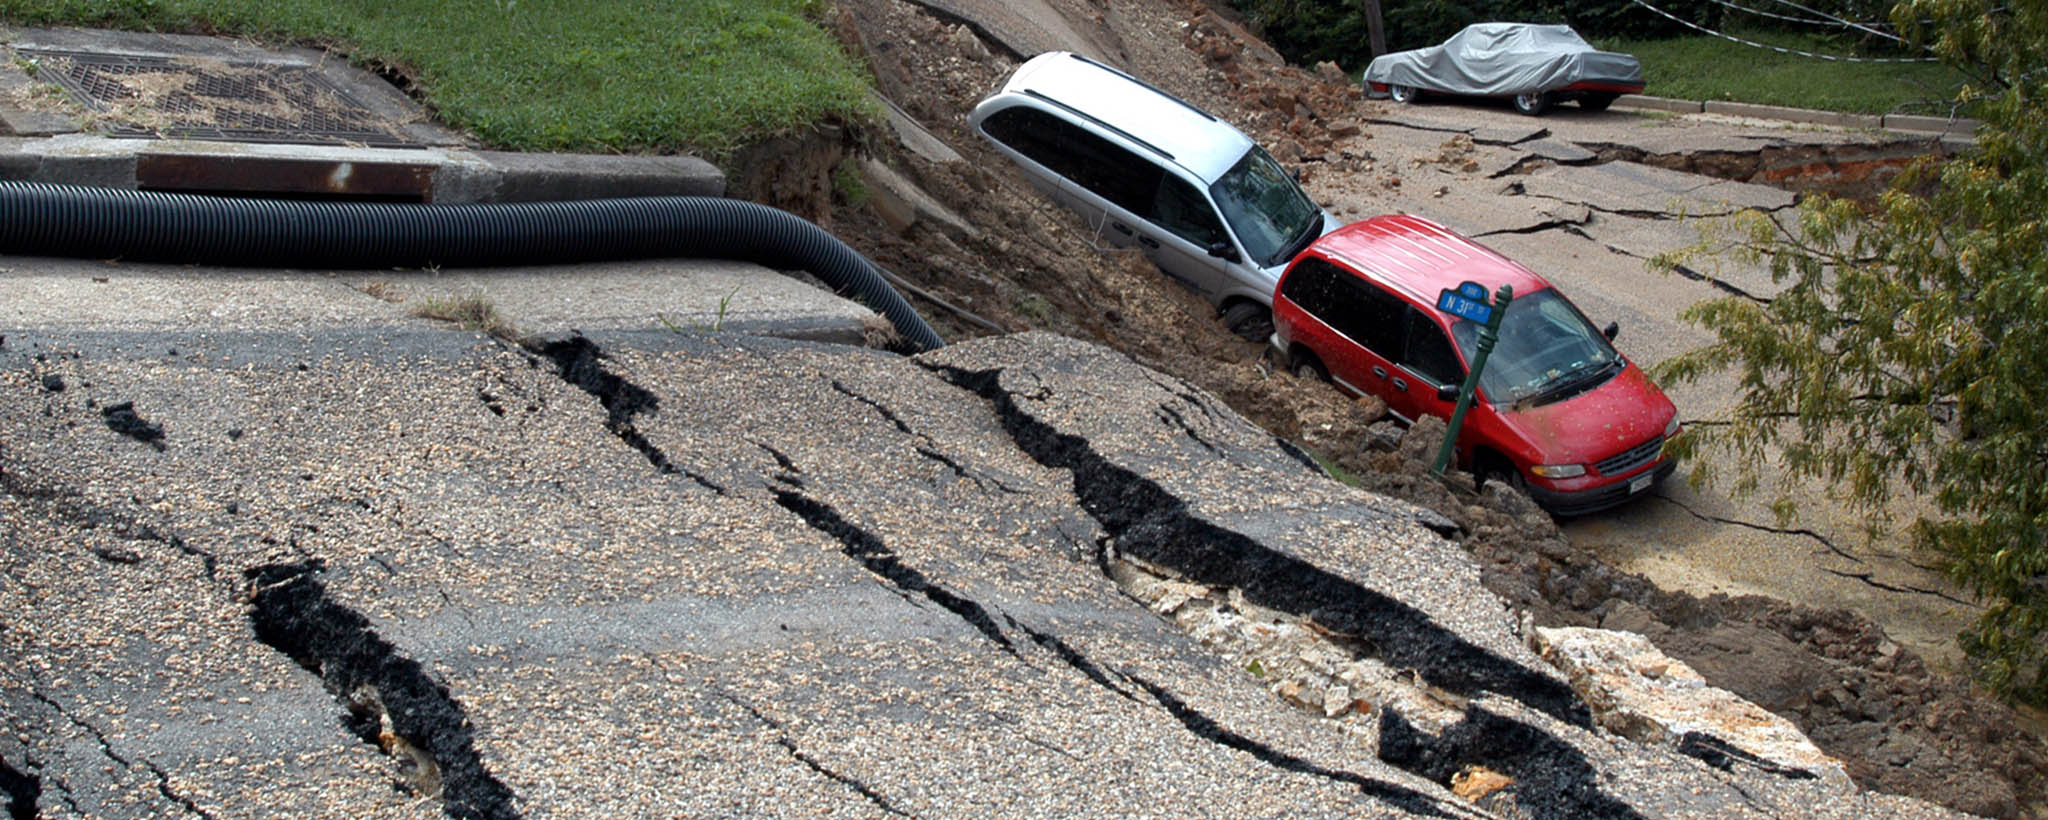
149,226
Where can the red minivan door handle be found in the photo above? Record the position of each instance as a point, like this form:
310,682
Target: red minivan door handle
1379,371
1400,384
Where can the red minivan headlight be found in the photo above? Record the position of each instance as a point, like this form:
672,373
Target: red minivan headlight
1559,470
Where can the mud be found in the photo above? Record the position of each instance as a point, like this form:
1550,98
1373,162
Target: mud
1898,725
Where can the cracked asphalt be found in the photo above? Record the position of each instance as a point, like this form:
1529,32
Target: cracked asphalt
403,573
1586,199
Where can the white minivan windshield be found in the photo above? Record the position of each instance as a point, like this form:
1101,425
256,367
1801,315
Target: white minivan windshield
1270,214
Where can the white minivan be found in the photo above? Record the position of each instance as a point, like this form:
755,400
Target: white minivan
1146,169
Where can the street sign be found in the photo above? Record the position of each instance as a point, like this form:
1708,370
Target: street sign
1467,302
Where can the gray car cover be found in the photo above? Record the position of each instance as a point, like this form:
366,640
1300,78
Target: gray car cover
1504,59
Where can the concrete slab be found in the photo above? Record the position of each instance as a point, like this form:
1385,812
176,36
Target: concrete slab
902,204
914,136
35,123
1787,114
1641,239
1025,27
1650,103
1632,188
1508,133
1938,125
704,296
1557,151
505,176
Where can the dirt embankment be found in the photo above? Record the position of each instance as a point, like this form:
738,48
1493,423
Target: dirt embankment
1021,262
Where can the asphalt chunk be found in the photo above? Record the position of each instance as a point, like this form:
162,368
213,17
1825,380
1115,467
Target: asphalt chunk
122,418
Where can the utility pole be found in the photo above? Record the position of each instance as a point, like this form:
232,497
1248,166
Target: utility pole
1375,28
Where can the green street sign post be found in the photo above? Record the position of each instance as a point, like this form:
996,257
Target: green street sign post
1469,302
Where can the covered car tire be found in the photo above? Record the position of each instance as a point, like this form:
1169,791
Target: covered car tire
1250,321
1597,102
1532,103
1401,93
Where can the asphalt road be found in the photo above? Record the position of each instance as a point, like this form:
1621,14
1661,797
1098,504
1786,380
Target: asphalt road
408,571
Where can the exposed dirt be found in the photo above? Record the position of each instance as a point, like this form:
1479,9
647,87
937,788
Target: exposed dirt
1025,263
1897,726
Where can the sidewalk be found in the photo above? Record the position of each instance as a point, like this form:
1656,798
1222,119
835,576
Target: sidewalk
1939,126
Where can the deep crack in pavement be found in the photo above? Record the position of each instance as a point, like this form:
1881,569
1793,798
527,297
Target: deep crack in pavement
390,699
580,363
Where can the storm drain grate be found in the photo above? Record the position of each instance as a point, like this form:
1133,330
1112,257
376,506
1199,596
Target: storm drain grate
185,98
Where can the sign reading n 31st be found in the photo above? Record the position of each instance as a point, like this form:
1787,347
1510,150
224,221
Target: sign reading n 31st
1467,302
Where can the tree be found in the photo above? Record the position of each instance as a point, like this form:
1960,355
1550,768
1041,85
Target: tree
1909,347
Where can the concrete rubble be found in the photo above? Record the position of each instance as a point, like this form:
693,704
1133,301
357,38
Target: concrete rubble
1638,692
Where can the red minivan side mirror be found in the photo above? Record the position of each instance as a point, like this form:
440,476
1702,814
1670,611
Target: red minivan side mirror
1447,393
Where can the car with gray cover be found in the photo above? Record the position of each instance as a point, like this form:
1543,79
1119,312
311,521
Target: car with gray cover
1535,65
1146,169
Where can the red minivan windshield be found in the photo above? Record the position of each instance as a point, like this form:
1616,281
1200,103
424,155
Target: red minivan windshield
1547,352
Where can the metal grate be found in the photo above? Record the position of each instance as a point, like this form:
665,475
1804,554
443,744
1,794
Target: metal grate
151,97
1636,456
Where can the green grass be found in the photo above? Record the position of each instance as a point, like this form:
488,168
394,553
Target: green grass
556,75
1710,68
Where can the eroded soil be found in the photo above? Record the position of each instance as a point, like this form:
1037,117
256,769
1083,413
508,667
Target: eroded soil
1020,262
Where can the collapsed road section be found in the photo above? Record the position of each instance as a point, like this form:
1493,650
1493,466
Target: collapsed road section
926,590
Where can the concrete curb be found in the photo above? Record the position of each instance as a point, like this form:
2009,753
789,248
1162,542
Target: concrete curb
444,175
1891,122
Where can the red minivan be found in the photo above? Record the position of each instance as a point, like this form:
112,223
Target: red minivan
1560,413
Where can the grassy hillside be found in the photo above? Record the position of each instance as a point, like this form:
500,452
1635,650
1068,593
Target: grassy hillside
575,75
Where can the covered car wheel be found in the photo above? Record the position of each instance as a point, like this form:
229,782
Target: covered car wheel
1597,102
1401,93
1532,103
1251,321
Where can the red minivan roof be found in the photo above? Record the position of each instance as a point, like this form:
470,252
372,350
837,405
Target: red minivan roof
1421,258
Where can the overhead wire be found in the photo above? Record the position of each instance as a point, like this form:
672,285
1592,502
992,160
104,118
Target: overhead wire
1811,21
1780,49
1839,21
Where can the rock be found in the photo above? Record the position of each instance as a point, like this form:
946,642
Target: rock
1627,616
1330,72
1637,692
1475,783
